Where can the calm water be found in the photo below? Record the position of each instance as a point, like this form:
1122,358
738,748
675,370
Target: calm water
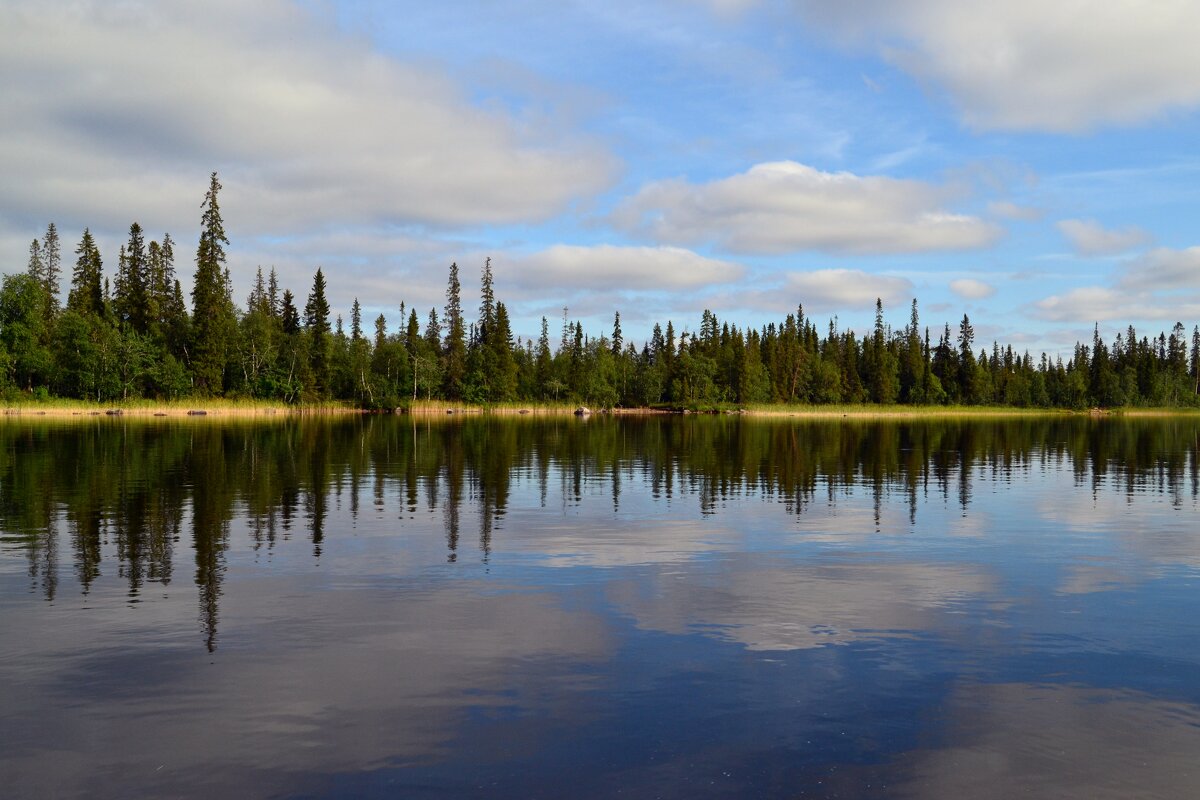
683,607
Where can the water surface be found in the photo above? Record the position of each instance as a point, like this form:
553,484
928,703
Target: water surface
681,607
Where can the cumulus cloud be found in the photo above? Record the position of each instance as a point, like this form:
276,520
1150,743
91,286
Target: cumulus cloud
1163,268
972,289
829,289
1105,304
1030,65
823,290
784,207
121,110
1089,238
1162,285
610,267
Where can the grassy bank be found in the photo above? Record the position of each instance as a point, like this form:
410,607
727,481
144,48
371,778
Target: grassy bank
441,408
160,408
860,411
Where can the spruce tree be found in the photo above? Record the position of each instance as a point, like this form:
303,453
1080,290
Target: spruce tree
544,362
132,297
273,293
51,267
87,293
316,320
487,302
212,314
412,333
504,381
356,332
37,267
454,355
288,313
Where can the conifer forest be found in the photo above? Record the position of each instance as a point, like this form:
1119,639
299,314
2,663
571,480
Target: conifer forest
132,333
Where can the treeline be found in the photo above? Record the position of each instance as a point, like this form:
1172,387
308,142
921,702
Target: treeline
135,336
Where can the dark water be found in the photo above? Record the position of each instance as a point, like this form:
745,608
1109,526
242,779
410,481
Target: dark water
674,607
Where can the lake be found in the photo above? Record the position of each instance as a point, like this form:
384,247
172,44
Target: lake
636,607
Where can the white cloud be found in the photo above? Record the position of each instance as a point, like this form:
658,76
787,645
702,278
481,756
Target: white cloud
784,207
1032,65
1163,269
121,111
1089,238
1162,285
1104,304
608,267
1005,209
824,290
972,289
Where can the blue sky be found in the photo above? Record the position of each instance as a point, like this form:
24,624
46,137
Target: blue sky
1031,164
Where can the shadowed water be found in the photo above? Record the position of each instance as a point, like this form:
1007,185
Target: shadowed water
663,607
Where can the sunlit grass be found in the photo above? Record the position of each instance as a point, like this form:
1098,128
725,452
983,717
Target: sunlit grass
148,407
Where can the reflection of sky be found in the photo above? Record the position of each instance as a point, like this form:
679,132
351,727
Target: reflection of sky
1039,639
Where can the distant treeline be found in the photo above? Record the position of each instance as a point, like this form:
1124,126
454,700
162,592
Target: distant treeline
135,337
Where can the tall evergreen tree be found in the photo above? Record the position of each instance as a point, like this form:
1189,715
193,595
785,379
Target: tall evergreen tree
504,382
212,313
487,302
87,292
316,320
51,267
131,299
454,354
412,333
289,314
544,361
356,332
37,267
273,293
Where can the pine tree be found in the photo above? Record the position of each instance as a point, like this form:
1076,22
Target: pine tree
132,297
504,382
412,333
433,332
966,361
316,320
51,267
356,332
544,362
212,314
37,267
487,303
288,313
87,292
617,341
273,294
454,354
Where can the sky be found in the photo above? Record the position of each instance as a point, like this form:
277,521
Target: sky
1031,164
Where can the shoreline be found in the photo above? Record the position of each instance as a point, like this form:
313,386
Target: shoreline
435,408
198,410
443,408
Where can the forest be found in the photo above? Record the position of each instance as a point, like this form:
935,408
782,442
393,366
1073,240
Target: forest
136,337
